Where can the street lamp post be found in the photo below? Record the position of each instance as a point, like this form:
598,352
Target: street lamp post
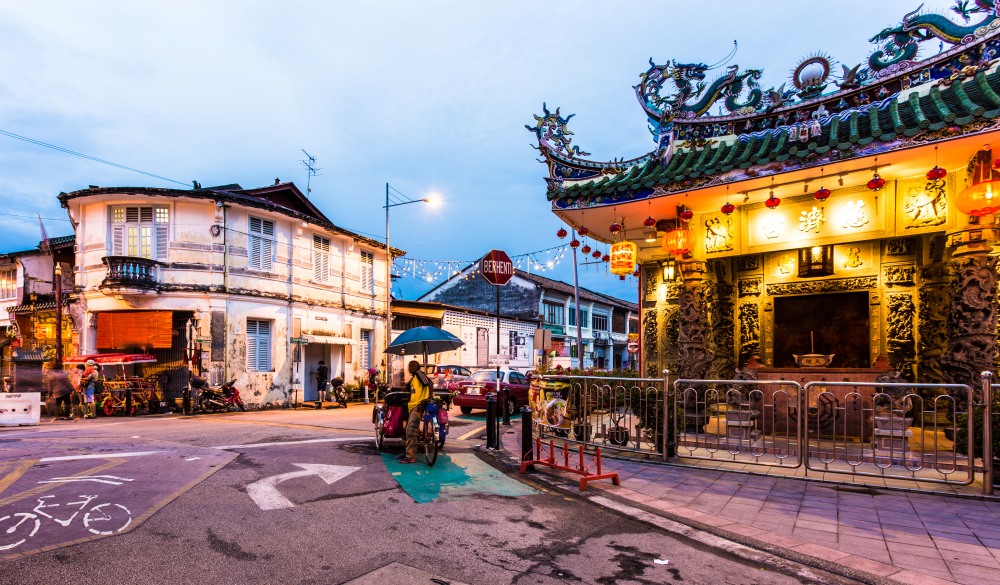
388,276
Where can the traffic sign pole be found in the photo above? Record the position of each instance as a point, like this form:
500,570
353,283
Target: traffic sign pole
497,268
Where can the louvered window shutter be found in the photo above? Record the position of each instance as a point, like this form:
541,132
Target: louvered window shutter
266,254
321,258
162,233
117,240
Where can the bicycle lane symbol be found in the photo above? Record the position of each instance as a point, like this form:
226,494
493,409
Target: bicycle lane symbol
103,518
76,509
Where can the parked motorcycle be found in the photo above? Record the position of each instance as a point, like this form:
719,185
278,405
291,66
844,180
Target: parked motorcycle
339,392
220,398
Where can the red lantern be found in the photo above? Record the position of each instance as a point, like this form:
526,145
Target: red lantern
583,231
596,254
621,277
936,174
649,222
728,208
979,198
636,273
822,195
677,241
772,201
585,249
876,182
606,258
615,228
687,214
574,243
562,233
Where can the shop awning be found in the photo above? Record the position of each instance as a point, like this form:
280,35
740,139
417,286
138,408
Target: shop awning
328,339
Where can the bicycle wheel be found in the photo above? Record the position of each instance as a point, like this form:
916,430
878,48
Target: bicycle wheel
22,526
108,407
113,518
379,431
430,445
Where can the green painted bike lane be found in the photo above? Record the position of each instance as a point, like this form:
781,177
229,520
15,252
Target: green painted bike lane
454,476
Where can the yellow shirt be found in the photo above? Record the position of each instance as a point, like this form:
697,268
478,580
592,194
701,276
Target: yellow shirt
418,392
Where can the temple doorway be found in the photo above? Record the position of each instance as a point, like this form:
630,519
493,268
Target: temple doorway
827,324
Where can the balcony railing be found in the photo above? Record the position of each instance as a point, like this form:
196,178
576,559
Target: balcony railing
130,272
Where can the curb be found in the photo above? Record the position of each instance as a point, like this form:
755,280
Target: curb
808,568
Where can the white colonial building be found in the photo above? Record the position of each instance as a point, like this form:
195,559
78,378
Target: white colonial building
252,284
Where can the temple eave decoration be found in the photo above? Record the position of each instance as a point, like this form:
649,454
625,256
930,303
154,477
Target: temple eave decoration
892,101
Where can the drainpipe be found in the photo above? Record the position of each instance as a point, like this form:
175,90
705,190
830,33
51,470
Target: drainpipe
225,291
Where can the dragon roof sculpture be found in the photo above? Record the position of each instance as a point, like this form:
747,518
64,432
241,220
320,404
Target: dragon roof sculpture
872,106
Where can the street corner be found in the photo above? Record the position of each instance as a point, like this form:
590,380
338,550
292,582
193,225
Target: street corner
51,502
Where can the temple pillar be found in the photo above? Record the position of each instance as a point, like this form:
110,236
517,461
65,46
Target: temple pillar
934,299
722,318
972,322
692,322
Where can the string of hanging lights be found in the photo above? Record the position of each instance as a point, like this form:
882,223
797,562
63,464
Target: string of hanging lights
432,271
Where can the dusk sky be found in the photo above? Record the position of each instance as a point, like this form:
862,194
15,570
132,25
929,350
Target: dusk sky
428,96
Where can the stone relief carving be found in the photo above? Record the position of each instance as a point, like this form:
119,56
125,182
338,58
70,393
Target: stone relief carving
693,331
669,351
749,287
651,279
899,275
718,235
932,324
900,311
900,247
649,342
722,308
973,321
749,331
821,286
925,207
748,263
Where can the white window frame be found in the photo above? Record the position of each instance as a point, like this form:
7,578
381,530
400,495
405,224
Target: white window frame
8,284
140,231
259,336
321,258
260,244
595,317
367,272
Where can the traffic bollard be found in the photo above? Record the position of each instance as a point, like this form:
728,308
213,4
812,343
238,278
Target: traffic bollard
186,401
506,412
527,453
128,402
491,421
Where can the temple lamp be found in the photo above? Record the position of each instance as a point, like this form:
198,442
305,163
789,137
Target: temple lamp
979,198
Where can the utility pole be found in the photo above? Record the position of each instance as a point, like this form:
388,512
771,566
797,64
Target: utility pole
311,170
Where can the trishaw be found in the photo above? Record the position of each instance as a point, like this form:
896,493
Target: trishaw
390,414
122,388
390,423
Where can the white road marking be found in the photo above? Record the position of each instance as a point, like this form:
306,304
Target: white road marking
98,456
302,442
108,479
265,493
192,458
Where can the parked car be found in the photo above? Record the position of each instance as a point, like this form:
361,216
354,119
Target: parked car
441,375
472,392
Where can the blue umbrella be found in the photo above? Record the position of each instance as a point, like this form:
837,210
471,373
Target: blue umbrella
424,340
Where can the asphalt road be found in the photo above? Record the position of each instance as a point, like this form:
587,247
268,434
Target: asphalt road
305,497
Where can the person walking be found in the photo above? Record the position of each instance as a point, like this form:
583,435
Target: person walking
88,384
60,388
322,379
420,391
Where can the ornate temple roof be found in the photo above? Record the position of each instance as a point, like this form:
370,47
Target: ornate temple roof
892,102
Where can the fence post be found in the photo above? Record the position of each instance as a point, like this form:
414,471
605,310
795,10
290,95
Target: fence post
987,433
506,401
491,421
526,438
669,449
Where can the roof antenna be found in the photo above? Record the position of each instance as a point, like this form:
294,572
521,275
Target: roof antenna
311,170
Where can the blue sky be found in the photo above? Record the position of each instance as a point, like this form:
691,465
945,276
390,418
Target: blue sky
429,96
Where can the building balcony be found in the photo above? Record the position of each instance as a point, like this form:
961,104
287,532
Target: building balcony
130,274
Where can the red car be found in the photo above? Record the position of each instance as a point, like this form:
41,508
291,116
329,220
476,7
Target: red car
472,392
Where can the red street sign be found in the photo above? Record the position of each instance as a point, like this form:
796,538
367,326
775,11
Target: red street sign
496,267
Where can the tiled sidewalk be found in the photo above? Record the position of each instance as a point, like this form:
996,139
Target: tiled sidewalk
907,537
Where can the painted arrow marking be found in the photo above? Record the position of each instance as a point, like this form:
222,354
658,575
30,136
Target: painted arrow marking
109,479
265,492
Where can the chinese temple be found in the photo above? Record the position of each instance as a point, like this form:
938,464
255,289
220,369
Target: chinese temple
846,216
